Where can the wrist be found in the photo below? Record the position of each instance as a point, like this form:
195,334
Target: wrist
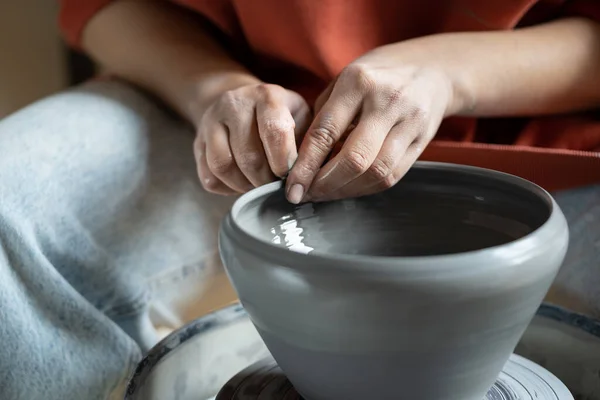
450,64
446,68
461,100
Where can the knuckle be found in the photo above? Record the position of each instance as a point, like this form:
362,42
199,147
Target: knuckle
391,100
418,126
357,162
417,113
268,91
379,171
325,136
211,185
230,101
221,165
263,88
229,97
355,70
388,182
251,161
394,96
360,75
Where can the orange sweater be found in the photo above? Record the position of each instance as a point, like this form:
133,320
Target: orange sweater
304,44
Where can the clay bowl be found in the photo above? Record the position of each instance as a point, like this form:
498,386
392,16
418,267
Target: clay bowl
427,286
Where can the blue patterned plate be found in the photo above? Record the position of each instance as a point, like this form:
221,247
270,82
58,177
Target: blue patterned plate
198,360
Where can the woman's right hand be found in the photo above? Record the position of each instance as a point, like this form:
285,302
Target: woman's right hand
248,137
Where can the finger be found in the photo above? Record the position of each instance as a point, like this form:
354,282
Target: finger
220,160
412,135
276,128
410,157
328,127
301,113
357,154
398,153
208,180
248,151
323,97
302,117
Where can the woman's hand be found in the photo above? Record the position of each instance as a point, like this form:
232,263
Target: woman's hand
397,95
247,137
389,111
246,129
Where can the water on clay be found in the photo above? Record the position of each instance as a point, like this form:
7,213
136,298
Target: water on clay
428,213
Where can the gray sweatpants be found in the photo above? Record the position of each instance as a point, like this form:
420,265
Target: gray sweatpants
105,234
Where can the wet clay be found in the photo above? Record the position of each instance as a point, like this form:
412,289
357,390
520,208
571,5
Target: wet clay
428,285
418,218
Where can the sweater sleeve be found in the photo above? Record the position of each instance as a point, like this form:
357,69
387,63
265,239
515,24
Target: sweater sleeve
74,16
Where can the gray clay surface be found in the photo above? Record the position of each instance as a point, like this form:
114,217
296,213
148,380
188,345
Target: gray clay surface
199,360
435,279
425,215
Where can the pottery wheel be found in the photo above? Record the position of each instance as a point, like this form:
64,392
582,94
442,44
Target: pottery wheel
521,379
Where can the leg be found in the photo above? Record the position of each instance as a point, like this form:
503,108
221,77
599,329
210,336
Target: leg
577,285
100,211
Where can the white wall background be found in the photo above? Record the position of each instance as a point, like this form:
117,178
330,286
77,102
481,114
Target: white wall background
32,63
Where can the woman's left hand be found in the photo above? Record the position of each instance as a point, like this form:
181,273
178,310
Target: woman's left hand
389,110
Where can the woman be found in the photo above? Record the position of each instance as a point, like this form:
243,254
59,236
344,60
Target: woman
105,232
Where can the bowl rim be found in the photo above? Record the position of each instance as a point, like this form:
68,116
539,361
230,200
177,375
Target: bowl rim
516,252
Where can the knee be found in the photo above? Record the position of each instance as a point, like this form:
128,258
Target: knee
60,143
97,118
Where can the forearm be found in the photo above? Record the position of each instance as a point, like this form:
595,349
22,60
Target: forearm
161,48
547,69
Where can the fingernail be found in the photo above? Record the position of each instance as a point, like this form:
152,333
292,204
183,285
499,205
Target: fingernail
295,194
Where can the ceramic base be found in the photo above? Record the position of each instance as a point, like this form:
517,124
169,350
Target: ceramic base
521,379
196,361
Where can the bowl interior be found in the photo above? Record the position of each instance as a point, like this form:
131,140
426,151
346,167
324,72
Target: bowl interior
435,209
